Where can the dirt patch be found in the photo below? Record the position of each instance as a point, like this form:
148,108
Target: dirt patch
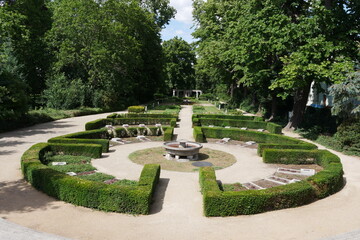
219,159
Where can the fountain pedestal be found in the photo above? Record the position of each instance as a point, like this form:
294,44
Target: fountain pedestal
182,150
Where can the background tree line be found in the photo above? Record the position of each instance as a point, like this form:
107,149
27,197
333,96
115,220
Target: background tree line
67,54
269,52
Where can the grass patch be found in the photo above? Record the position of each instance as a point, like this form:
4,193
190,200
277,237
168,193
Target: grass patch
126,182
219,159
73,168
232,187
68,159
96,177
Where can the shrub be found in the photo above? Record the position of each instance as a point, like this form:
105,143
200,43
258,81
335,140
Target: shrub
136,109
198,134
289,156
168,134
243,135
218,203
96,177
103,142
271,127
143,115
96,124
233,117
117,198
304,145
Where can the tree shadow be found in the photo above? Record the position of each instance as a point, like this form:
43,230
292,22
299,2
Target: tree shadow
19,196
159,195
6,152
203,156
10,143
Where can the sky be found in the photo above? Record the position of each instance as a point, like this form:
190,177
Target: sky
181,25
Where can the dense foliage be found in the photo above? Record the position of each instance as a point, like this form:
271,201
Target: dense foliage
262,50
179,64
69,54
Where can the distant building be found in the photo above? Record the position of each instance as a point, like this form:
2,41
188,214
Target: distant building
320,98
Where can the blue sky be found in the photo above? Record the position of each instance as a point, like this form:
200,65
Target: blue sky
181,25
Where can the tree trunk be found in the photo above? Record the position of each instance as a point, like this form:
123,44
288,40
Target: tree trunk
274,105
300,100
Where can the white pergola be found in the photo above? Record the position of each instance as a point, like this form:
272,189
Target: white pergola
186,93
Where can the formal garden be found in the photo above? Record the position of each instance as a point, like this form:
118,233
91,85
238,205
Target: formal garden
62,167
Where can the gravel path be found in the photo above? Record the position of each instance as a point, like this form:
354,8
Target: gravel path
177,211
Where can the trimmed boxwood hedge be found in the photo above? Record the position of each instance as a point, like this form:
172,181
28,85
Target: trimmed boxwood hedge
231,203
234,117
103,142
303,145
143,115
100,123
289,156
124,199
271,127
243,135
168,134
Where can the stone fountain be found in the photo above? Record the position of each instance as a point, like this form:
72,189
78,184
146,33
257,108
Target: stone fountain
182,149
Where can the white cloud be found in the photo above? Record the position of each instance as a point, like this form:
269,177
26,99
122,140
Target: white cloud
179,32
184,10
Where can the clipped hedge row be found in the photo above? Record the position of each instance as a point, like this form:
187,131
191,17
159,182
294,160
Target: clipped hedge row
243,135
198,135
117,198
135,131
136,109
303,145
233,117
218,203
103,142
142,115
100,123
271,127
231,203
289,156
168,134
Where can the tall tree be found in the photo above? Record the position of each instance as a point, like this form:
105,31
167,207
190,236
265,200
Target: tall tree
179,64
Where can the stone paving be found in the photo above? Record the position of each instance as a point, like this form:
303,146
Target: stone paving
177,210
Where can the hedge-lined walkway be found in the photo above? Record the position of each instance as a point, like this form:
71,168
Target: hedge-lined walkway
178,217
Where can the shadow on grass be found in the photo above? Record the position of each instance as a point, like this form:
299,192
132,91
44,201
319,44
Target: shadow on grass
159,195
203,156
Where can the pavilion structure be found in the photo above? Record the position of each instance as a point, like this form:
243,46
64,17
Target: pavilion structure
186,93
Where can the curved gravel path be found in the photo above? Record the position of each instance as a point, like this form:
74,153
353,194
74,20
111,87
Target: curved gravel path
177,212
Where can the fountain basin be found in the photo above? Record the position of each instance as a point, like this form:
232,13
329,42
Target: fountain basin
182,148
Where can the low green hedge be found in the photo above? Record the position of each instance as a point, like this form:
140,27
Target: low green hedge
218,203
135,131
289,156
233,117
96,124
271,127
100,123
328,181
103,142
198,134
124,199
136,109
243,135
143,115
304,145
168,134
